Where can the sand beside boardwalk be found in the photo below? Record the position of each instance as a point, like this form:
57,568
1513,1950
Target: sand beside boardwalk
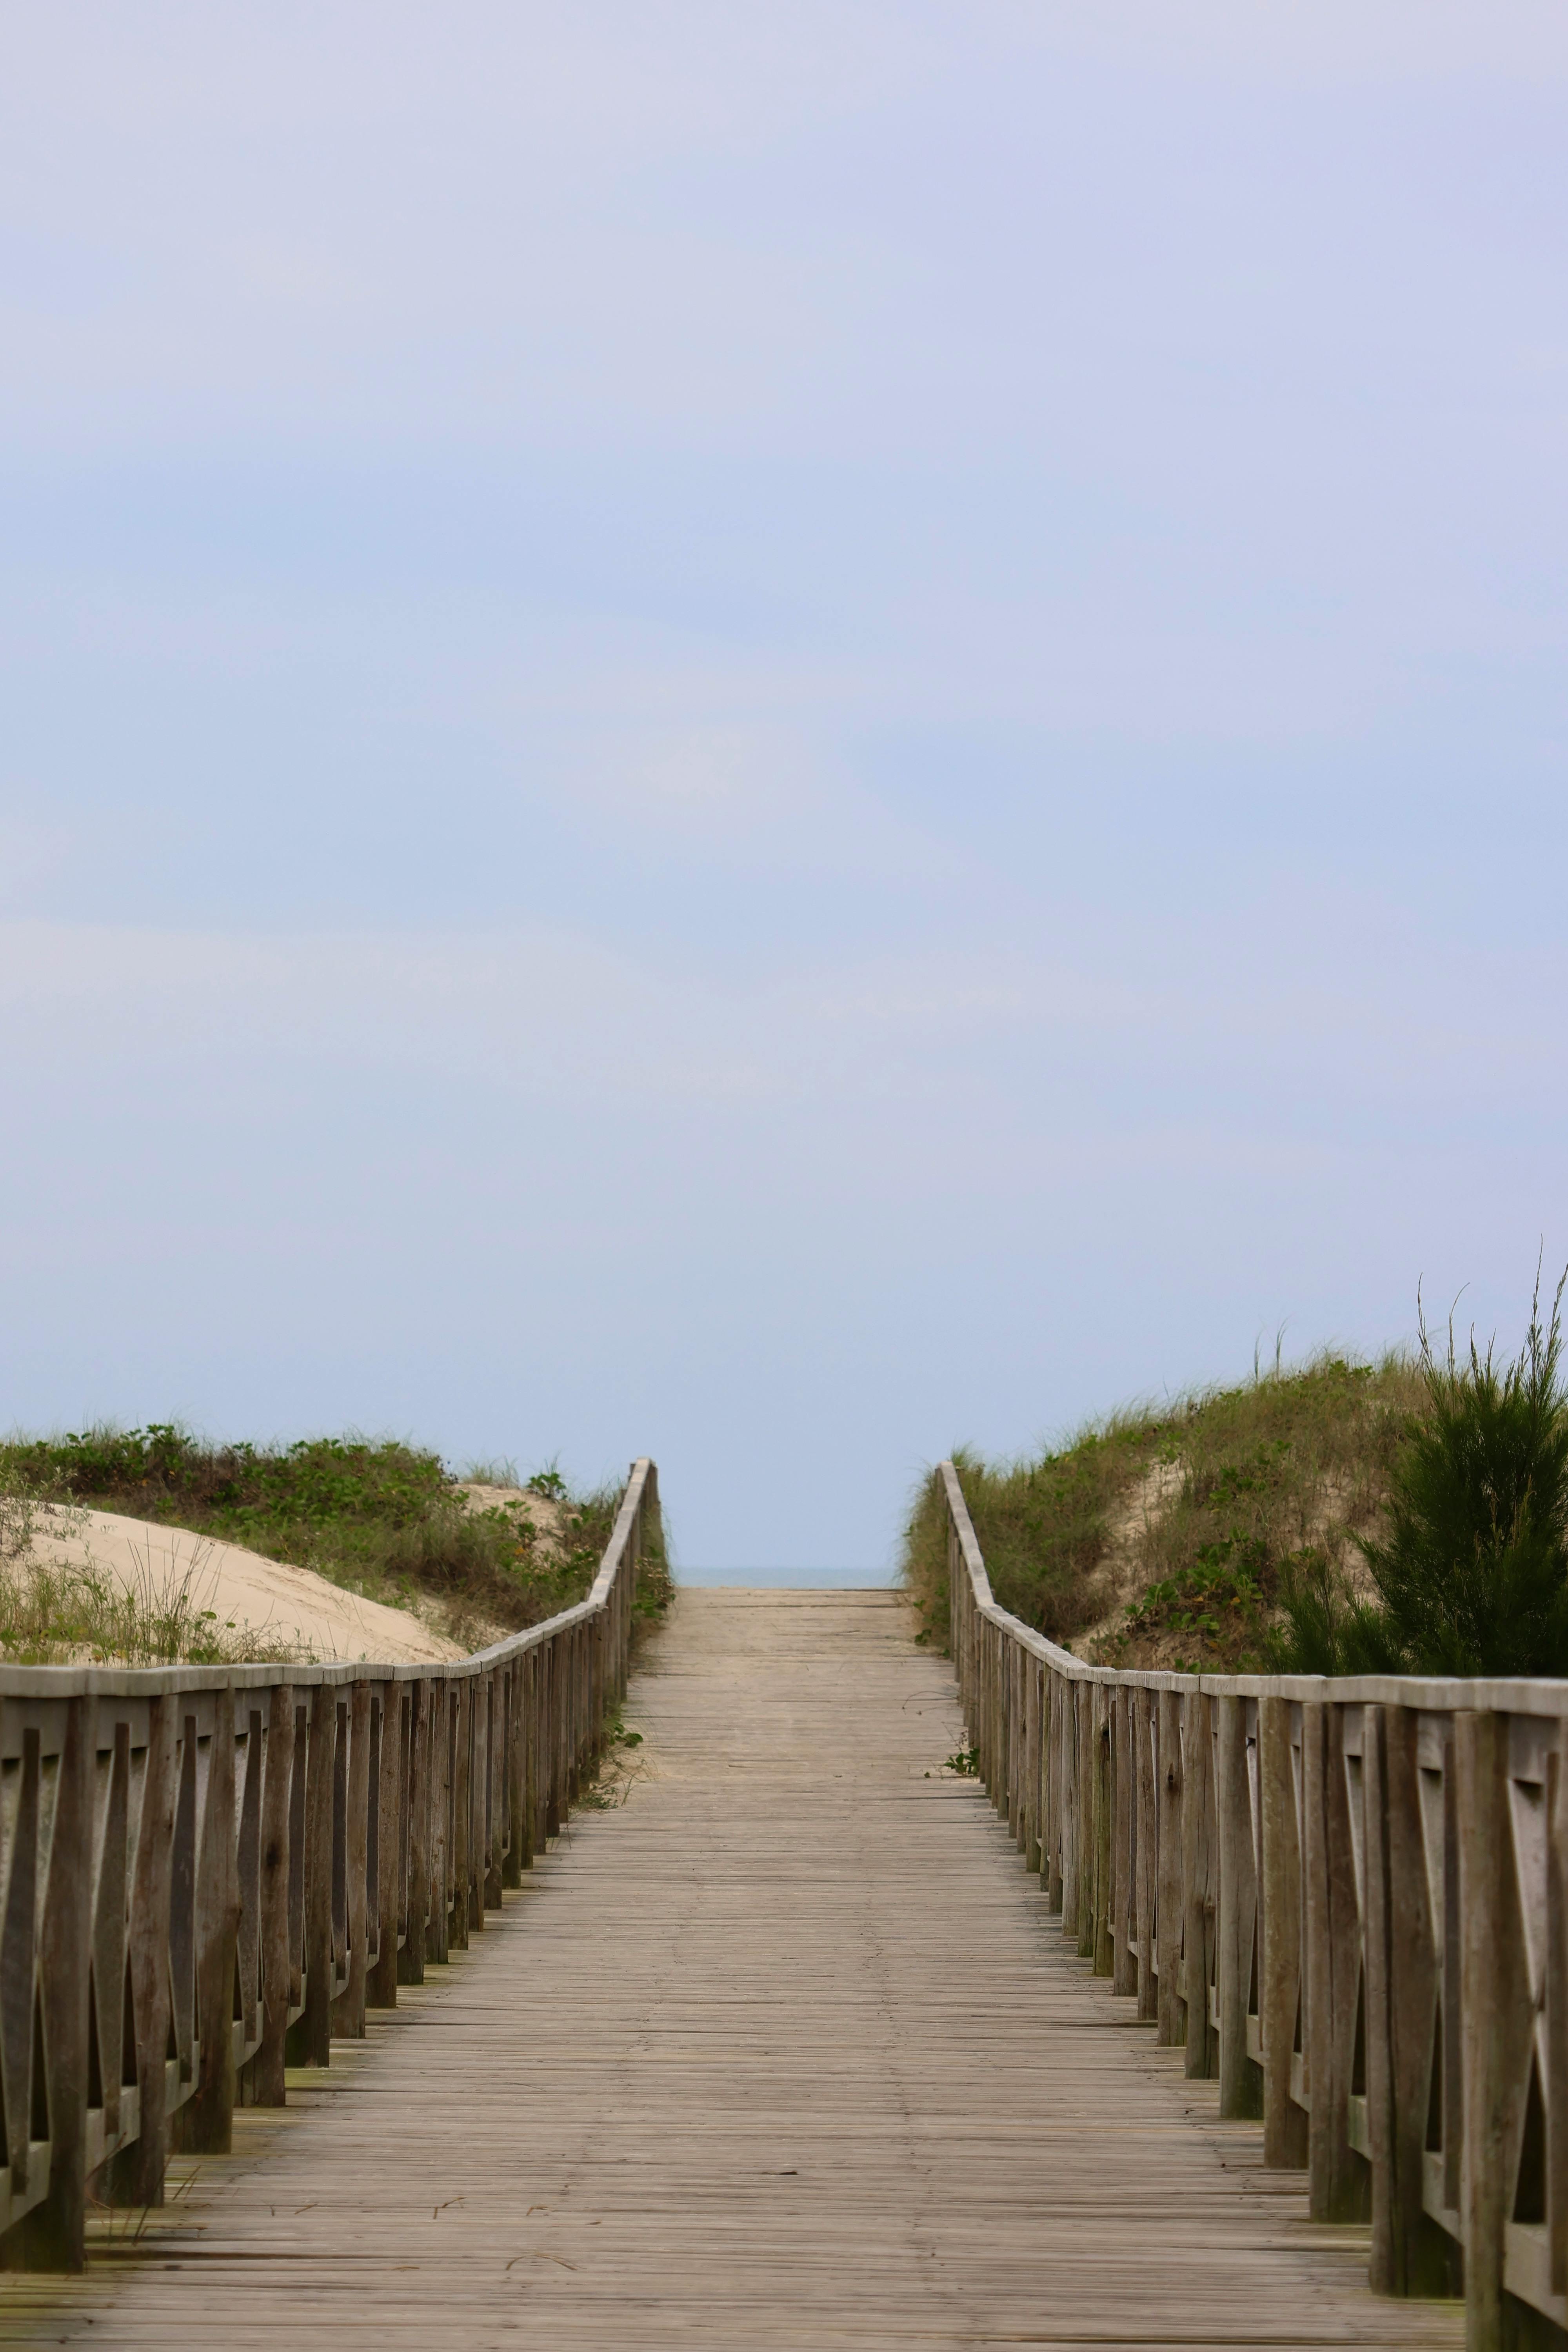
287,1604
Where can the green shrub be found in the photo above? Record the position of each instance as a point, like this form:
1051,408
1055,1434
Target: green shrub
1471,1573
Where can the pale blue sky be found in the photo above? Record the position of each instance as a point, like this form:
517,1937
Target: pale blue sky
775,736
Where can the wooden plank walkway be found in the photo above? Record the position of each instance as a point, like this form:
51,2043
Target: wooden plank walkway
782,2053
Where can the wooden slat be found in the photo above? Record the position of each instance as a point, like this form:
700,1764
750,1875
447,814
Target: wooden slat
350,2010
137,2175
1240,2088
1169,1897
314,2032
206,2117
52,2235
267,2067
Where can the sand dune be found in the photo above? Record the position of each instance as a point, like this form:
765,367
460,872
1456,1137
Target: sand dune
285,1604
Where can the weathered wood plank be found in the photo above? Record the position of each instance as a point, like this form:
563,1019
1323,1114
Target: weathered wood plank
1285,2123
1171,2014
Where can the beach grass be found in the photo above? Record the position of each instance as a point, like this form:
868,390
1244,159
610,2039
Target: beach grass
1164,1535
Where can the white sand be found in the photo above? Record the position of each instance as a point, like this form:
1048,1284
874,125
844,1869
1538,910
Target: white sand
547,1516
285,1604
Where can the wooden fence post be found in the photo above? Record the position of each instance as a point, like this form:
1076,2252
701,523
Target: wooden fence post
1200,1874
1556,1989
545,1697
497,1686
478,1799
411,1958
1103,1951
994,1770
1018,1772
267,2083
1029,1673
561,1696
1146,1826
1376,2002
1089,1706
1066,1708
1280,1990
206,2120
111,1924
955,1611
314,2033
348,2018
53,2235
1336,2188
530,1702
462,1811
1168,1900
1495,2000
137,2174
1050,1788
1121,1713
248,1951
1409,2254
443,1733
571,1719
520,1842
598,1634
391,1839
1240,2084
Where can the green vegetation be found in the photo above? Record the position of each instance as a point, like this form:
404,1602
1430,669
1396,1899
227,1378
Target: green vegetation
387,1520
1469,1575
1409,1516
1169,1536
618,1767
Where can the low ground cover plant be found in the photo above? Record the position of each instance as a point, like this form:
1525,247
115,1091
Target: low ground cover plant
387,1520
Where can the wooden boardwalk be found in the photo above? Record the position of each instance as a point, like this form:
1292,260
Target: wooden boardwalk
783,2051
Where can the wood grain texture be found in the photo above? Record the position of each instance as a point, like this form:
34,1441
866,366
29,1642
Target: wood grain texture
785,2052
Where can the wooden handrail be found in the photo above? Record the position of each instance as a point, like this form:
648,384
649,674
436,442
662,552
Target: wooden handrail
206,1873
1347,1898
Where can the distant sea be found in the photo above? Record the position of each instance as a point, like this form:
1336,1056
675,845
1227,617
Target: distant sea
819,1578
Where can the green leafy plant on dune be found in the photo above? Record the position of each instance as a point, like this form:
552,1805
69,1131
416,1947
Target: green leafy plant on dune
1469,1575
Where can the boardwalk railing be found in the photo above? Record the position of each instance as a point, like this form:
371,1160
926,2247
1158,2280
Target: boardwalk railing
1346,1898
206,1873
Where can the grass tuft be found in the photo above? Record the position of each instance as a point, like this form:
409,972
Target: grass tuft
54,1613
